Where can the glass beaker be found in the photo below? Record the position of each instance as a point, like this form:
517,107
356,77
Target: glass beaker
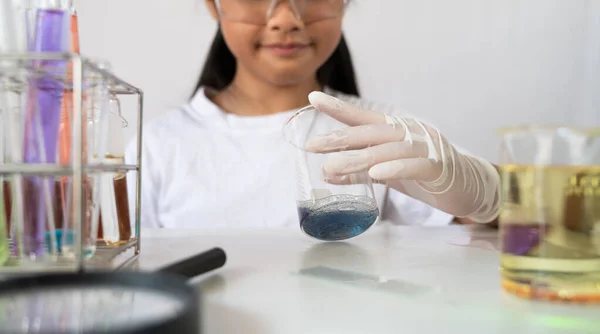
328,210
550,214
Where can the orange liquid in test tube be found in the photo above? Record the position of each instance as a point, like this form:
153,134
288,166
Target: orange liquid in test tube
65,140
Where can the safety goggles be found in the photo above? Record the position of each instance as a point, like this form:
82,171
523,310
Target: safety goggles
260,11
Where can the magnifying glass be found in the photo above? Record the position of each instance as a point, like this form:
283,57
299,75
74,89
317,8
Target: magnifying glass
108,302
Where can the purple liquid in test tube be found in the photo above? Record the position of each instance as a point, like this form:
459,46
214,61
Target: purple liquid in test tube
42,124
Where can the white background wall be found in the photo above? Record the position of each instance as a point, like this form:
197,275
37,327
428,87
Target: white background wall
468,66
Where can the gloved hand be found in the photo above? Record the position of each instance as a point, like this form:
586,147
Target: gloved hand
409,156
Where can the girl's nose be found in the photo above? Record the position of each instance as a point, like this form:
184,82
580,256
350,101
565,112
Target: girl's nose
284,15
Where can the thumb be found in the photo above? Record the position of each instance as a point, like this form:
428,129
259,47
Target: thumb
344,112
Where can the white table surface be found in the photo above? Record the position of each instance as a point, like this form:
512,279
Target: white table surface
389,280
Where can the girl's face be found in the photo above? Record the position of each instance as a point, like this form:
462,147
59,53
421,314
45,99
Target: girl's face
283,49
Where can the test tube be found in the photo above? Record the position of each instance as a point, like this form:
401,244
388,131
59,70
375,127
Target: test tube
96,113
65,140
13,27
97,153
4,250
13,39
41,127
115,229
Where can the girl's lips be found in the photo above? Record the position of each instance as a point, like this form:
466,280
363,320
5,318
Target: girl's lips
285,49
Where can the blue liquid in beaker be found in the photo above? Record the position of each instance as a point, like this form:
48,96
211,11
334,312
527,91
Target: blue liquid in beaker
337,217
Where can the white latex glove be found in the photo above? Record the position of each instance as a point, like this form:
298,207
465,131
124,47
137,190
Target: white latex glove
409,156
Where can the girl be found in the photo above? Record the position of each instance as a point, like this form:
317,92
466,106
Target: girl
220,160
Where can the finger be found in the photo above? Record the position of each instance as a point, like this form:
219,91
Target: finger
356,178
421,169
354,138
344,112
362,160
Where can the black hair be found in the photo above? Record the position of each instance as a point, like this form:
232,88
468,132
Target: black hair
219,68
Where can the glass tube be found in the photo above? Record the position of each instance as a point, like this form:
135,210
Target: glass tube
115,228
41,128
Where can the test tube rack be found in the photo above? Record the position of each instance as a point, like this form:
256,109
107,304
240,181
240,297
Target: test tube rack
15,70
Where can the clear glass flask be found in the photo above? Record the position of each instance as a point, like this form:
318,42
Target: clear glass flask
550,216
327,210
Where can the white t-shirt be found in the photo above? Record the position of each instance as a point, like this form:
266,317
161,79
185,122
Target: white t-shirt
202,167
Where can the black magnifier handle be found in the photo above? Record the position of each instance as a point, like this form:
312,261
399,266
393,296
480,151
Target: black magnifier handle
198,264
